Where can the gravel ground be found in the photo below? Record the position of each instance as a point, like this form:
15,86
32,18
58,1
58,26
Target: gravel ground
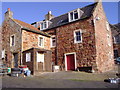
71,79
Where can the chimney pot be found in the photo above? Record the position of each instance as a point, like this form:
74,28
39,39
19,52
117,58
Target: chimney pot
50,12
8,9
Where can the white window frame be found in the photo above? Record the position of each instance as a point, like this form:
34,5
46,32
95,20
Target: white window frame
39,41
11,40
3,53
107,26
115,41
78,10
52,40
109,40
75,36
28,57
43,25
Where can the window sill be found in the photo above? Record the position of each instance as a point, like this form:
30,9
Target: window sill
77,42
52,46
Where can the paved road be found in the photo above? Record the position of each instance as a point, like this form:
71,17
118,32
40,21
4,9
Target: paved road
59,80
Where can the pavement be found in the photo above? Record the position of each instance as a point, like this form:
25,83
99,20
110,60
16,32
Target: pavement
70,79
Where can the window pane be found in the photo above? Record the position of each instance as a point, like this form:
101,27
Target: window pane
77,33
12,39
41,25
71,16
77,36
45,25
75,15
40,41
53,41
115,53
28,57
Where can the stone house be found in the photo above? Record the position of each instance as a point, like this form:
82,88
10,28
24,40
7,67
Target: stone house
116,39
18,38
80,39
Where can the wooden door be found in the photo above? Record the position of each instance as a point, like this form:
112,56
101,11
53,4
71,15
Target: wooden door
70,62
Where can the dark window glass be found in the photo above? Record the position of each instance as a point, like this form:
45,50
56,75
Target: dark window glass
78,36
13,40
53,41
116,53
71,16
41,25
75,15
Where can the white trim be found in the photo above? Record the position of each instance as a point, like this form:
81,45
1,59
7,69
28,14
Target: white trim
39,41
52,42
78,11
75,36
11,40
28,55
40,61
3,53
43,25
107,26
74,59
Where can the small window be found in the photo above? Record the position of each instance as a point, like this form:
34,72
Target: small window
12,40
28,57
3,53
43,25
41,41
74,15
77,36
116,53
117,39
53,41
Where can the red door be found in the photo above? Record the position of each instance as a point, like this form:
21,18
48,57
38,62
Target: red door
70,62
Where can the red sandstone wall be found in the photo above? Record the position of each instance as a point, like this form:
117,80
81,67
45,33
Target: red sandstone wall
30,40
9,28
85,51
104,59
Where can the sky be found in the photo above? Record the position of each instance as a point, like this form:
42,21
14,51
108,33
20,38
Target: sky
30,12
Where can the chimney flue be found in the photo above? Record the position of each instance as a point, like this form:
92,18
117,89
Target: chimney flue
49,16
8,9
8,14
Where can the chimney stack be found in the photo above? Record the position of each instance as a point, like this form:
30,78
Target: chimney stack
8,14
49,16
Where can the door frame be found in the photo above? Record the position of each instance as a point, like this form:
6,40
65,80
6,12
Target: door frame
38,62
66,59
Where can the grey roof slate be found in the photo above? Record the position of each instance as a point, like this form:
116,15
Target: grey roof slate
63,19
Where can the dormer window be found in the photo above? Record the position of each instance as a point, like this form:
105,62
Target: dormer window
74,15
43,25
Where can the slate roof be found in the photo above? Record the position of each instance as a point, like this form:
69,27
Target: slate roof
63,19
29,27
115,27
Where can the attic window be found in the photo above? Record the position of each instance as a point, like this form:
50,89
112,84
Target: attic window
74,15
43,25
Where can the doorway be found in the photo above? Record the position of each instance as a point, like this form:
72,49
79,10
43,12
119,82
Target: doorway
15,55
70,61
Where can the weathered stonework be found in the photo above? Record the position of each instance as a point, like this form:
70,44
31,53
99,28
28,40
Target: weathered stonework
11,28
95,50
103,40
30,40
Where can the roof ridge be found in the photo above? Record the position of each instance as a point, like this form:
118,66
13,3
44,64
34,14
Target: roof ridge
30,27
75,9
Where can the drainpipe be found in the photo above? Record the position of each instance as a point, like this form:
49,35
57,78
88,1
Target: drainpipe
56,56
21,49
